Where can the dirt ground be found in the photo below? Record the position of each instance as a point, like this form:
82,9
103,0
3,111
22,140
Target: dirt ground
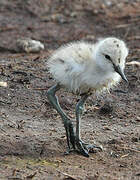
32,136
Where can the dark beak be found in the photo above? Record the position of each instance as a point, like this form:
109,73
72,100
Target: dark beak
120,72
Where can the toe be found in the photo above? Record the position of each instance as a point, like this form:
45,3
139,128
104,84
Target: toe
82,149
93,148
84,153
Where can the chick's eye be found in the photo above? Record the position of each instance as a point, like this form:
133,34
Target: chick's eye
107,57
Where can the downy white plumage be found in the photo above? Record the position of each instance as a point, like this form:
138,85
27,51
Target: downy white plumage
85,68
81,67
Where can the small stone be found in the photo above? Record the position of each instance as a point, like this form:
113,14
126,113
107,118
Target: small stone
3,84
74,14
138,118
59,18
113,141
107,108
135,139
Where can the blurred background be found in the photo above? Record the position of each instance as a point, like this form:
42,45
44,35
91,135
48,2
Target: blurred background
55,22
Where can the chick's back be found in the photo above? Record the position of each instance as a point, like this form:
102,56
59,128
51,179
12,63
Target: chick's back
68,62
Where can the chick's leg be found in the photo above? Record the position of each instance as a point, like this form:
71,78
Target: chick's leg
84,148
79,110
66,120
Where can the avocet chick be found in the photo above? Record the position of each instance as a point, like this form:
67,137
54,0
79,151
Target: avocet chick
83,68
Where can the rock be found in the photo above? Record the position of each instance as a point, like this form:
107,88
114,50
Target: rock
29,46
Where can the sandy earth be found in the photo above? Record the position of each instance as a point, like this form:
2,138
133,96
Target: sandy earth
32,137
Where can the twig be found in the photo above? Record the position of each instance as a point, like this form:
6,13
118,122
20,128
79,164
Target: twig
127,148
136,49
2,130
133,37
31,175
2,29
120,91
123,25
133,63
127,32
125,155
39,89
68,175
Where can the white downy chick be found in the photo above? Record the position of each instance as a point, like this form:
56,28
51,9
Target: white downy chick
82,67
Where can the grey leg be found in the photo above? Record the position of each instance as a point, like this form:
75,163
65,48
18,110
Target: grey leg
84,148
66,120
79,110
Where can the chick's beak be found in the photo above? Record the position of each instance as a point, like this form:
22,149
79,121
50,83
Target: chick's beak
120,72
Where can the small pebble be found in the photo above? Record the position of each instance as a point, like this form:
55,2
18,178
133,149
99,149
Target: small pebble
3,84
107,108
